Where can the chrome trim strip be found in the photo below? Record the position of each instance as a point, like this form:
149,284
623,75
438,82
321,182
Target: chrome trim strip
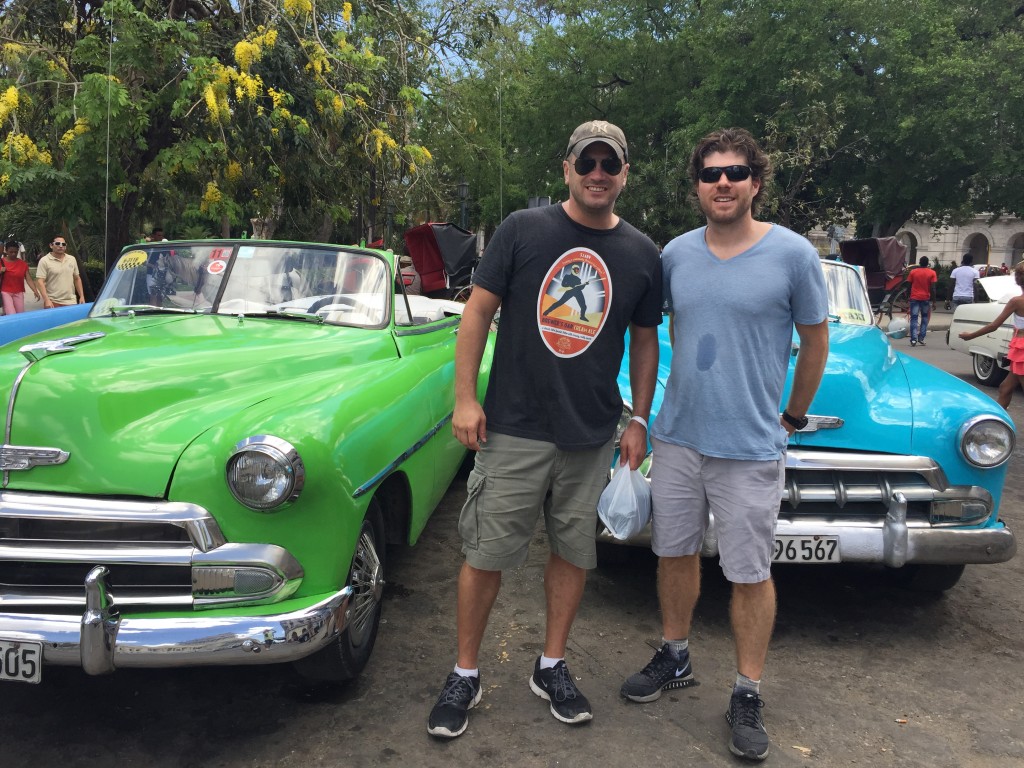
202,529
430,328
362,489
21,457
139,641
801,458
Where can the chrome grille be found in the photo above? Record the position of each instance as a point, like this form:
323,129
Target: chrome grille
49,543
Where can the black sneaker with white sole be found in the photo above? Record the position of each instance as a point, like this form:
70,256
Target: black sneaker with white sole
749,739
664,672
450,714
556,685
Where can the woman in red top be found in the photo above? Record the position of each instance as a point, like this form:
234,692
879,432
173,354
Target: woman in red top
14,270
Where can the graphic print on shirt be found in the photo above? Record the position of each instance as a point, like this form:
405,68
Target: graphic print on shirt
574,297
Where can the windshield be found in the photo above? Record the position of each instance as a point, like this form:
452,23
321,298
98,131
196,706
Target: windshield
333,285
847,298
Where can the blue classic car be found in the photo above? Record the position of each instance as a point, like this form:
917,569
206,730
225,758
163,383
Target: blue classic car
900,463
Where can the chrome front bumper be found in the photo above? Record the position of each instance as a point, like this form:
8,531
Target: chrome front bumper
893,541
101,640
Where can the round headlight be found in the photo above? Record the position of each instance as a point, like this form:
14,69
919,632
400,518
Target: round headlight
265,472
986,441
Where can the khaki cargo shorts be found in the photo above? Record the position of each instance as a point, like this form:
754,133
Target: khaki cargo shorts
513,479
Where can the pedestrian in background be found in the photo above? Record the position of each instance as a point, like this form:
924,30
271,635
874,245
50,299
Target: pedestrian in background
544,436
1015,307
719,440
57,277
922,299
963,278
12,284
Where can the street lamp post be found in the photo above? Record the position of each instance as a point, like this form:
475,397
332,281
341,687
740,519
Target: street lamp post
463,192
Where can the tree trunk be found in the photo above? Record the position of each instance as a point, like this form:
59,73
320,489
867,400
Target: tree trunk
263,226
326,229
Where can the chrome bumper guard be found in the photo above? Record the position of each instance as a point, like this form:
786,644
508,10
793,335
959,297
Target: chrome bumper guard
891,539
101,640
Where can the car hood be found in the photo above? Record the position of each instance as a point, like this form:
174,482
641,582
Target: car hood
864,391
866,388
124,406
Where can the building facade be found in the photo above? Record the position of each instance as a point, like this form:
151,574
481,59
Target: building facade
989,242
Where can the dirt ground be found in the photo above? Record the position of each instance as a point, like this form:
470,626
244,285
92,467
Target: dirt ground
860,673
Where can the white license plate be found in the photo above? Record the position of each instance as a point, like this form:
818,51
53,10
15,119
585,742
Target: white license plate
21,661
806,549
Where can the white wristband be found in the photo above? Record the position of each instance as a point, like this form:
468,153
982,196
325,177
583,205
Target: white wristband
641,420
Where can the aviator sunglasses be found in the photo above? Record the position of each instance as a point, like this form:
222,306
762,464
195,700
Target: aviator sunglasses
610,165
713,173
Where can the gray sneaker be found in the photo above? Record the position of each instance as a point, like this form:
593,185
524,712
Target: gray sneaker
450,714
663,672
556,685
749,738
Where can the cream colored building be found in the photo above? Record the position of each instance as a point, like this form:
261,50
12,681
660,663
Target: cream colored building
996,242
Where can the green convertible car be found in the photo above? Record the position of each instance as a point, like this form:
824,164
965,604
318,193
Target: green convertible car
206,469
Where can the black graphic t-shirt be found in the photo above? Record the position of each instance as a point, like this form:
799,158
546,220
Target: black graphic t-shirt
568,294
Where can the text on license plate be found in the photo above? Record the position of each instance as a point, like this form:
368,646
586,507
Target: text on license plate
806,549
21,661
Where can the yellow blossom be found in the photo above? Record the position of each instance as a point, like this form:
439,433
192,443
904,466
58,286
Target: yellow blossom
19,149
12,53
8,102
247,53
346,12
381,140
210,97
211,197
297,7
233,172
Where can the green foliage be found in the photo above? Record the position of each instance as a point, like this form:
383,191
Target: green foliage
338,121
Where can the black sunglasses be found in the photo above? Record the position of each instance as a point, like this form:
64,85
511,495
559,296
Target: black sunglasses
610,165
713,173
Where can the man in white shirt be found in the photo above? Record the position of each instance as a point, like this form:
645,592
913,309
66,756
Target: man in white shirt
963,285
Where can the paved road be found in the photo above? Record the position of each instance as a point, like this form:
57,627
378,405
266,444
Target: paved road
860,673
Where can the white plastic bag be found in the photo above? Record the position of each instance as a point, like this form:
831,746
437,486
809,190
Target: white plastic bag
625,503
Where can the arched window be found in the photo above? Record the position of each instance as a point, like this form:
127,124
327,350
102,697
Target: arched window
978,246
1016,249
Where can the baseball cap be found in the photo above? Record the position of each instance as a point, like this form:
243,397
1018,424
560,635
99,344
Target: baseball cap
598,130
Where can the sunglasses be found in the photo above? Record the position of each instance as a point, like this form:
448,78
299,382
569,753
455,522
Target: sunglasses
59,245
713,173
610,165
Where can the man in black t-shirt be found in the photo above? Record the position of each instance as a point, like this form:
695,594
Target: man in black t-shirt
544,436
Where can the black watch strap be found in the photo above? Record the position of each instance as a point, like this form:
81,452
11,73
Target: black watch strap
798,423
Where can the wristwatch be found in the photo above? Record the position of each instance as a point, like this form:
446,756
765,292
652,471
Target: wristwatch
798,423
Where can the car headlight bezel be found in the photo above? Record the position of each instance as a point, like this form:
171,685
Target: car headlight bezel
986,441
280,473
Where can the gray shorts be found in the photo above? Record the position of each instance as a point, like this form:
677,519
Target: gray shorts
743,496
512,480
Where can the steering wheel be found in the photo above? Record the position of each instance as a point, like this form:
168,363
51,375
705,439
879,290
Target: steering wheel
327,300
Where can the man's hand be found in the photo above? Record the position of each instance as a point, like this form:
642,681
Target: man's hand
469,425
633,445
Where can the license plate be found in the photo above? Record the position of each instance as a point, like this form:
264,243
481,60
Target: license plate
21,661
806,549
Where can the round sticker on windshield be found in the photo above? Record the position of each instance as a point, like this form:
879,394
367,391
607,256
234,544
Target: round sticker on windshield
216,267
131,260
573,302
